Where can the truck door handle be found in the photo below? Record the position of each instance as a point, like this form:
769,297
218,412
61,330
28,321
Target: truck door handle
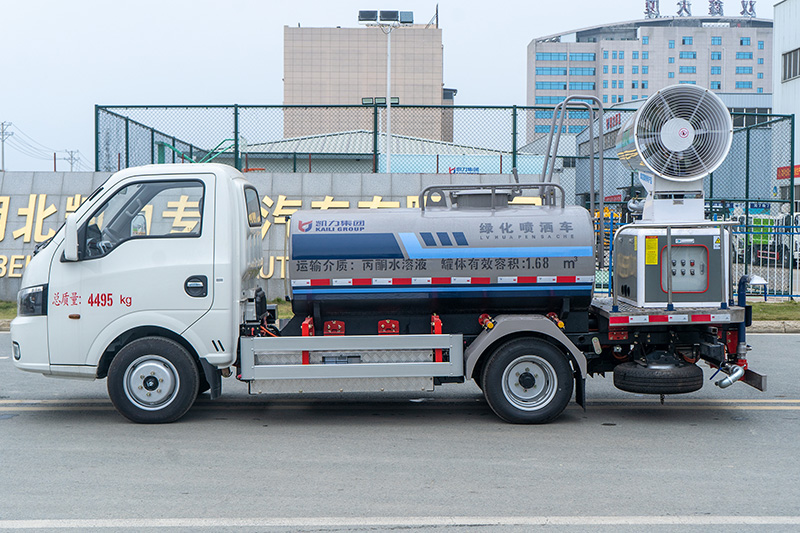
196,286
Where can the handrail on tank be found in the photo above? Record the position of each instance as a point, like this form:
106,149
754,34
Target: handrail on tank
493,187
547,176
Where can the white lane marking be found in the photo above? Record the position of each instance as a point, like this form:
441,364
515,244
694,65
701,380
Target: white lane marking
403,521
6,357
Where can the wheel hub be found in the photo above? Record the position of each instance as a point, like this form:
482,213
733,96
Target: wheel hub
527,381
151,382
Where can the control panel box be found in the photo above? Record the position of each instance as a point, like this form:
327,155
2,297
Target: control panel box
694,267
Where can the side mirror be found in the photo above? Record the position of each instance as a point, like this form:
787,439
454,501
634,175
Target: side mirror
139,225
71,238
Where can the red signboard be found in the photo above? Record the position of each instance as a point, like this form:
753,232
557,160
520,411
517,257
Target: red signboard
613,121
784,174
615,198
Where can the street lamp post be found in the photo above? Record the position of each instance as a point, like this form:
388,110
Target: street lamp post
387,22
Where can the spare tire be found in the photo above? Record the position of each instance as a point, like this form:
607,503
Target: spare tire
678,379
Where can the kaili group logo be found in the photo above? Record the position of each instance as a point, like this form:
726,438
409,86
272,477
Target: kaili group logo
304,226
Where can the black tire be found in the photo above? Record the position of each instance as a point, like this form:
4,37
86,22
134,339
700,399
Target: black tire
633,377
527,381
153,380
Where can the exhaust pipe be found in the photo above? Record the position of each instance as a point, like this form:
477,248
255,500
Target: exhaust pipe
736,374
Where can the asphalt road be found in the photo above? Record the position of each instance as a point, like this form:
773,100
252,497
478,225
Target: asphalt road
714,460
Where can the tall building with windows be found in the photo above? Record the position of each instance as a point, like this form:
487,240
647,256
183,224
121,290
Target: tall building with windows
347,66
628,61
786,56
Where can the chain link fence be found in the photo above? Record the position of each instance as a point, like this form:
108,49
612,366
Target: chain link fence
754,185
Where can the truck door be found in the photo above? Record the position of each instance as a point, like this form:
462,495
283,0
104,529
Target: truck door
146,257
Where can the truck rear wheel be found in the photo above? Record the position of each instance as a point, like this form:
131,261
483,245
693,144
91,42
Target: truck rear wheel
527,381
153,380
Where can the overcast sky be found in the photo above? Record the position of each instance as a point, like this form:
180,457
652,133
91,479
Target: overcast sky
58,58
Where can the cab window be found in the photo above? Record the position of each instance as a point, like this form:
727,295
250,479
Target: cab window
162,209
253,207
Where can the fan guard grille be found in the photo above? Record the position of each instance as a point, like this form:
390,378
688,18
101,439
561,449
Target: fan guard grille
683,132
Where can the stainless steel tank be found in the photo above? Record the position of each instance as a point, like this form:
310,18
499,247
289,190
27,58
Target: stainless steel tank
474,253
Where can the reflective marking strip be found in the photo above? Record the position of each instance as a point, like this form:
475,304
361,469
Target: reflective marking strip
638,319
460,280
301,283
362,281
585,279
401,281
381,281
678,318
480,281
547,279
720,318
348,282
658,318
565,279
340,282
320,282
618,320
701,318
420,281
440,281
526,279
506,279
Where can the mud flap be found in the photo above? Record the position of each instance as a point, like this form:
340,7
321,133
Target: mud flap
580,391
213,377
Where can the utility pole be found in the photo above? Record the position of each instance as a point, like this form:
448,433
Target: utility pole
3,136
72,157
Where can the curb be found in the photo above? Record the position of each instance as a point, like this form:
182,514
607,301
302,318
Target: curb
759,326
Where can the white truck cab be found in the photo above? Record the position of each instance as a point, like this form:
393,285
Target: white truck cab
146,285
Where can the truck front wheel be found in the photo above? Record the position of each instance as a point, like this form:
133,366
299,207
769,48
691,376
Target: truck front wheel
527,381
153,380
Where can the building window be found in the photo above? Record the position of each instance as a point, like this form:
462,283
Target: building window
576,129
613,98
716,70
622,54
635,69
634,97
687,70
760,60
613,84
543,113
672,44
551,71
635,54
619,98
644,86
761,75
645,39
671,60
645,55
744,41
614,54
760,45
686,41
716,85
581,86
760,89
605,84
716,56
582,71
549,100
791,65
671,75
634,84
578,114
605,54
614,69
644,96
605,98
551,56
716,41
744,84
621,69
605,69
744,70
581,57
688,55
645,69
551,86
744,55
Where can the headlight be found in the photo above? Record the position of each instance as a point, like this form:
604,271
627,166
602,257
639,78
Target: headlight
32,301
